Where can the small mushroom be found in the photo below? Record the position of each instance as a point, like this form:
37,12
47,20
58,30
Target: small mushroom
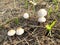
42,13
41,19
26,15
19,31
11,32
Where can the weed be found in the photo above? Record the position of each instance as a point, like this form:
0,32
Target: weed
16,21
33,8
50,11
58,16
55,1
49,27
56,8
26,4
56,5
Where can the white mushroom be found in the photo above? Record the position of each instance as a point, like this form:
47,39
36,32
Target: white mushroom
41,19
42,13
26,15
19,31
11,32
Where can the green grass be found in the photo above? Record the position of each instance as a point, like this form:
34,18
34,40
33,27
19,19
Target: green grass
56,7
26,4
16,21
50,11
55,1
58,16
50,26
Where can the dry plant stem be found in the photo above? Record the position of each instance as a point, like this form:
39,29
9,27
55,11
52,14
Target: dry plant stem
34,8
34,30
10,39
50,33
14,4
28,33
26,41
26,4
3,12
16,42
34,26
18,38
33,0
38,40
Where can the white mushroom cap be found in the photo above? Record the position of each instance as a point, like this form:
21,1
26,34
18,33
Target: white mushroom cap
42,12
19,31
41,19
11,32
26,15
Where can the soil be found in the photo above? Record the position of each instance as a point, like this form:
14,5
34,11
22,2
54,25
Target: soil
34,31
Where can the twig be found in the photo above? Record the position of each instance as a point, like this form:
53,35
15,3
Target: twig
38,40
34,30
26,41
34,26
14,4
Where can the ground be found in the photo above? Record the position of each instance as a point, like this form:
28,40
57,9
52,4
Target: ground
34,31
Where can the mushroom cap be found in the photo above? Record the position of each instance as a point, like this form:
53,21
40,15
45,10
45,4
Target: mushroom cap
19,31
26,15
11,32
42,12
41,19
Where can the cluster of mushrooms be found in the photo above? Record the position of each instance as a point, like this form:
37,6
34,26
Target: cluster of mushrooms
41,18
19,31
42,13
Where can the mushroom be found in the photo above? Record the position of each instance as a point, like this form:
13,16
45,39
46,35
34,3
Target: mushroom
11,32
42,13
41,19
19,31
26,15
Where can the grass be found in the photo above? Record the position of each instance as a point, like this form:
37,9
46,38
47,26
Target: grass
58,16
35,1
49,27
16,21
26,4
50,11
55,1
56,8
